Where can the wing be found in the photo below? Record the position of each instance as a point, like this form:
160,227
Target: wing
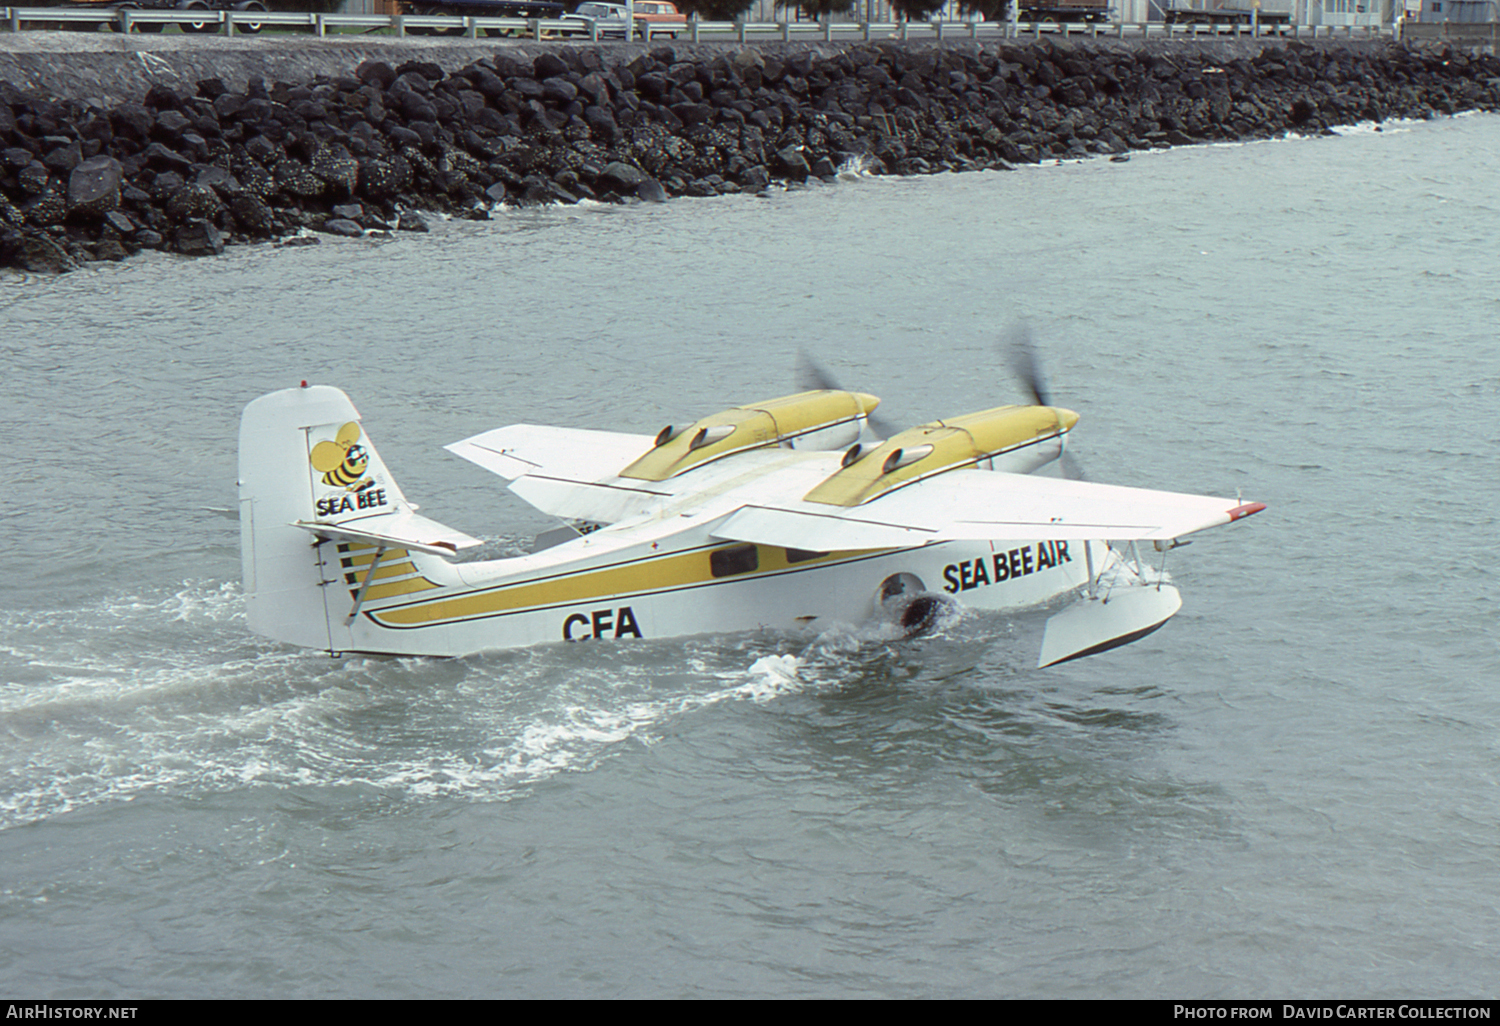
982,505
570,472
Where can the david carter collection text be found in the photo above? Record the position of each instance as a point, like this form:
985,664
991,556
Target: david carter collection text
1360,1011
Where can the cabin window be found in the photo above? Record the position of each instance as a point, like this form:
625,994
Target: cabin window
802,555
738,559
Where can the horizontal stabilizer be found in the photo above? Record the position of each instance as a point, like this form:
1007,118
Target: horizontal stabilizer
580,500
390,530
565,452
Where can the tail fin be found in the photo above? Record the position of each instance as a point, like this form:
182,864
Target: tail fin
308,475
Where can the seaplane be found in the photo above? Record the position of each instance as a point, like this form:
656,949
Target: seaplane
787,514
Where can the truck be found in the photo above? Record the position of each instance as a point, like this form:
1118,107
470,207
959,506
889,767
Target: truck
1063,12
480,9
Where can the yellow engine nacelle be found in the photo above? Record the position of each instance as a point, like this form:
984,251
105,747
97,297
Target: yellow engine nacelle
820,420
1014,438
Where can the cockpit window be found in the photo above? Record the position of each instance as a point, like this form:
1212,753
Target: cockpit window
738,559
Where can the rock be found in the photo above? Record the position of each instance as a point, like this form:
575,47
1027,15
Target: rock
45,210
64,158
227,105
380,178
622,177
650,191
254,178
120,222
109,249
559,90
32,179
252,214
199,238
192,203
162,97
376,73
94,186
224,184
334,165
162,158
170,124
548,64
754,178
342,226
423,69
693,113
34,252
601,124
411,221
792,163
294,178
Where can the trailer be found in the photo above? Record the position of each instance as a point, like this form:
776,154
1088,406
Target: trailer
109,13
1227,16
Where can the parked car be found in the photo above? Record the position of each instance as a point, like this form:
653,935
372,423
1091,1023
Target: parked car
608,20
658,18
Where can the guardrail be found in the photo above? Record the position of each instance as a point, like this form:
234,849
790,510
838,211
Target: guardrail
471,27
1471,33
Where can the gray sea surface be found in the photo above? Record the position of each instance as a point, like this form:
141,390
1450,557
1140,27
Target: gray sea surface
1289,791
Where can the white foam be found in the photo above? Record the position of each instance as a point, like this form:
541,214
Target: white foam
168,694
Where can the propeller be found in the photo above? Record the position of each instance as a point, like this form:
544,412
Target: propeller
1019,348
811,376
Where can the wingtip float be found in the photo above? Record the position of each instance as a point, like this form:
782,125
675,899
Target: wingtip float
775,514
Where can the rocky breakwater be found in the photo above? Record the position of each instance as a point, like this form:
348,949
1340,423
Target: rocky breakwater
366,150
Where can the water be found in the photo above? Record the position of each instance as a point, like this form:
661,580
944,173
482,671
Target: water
1289,790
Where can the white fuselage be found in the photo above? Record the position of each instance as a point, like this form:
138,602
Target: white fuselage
661,572
628,584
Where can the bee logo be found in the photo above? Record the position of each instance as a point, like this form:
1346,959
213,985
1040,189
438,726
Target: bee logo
341,461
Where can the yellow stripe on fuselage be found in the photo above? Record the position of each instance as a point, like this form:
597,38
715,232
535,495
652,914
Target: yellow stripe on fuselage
367,554
653,573
406,587
356,560
381,572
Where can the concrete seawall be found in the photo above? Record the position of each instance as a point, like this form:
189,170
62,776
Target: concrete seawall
116,143
106,68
